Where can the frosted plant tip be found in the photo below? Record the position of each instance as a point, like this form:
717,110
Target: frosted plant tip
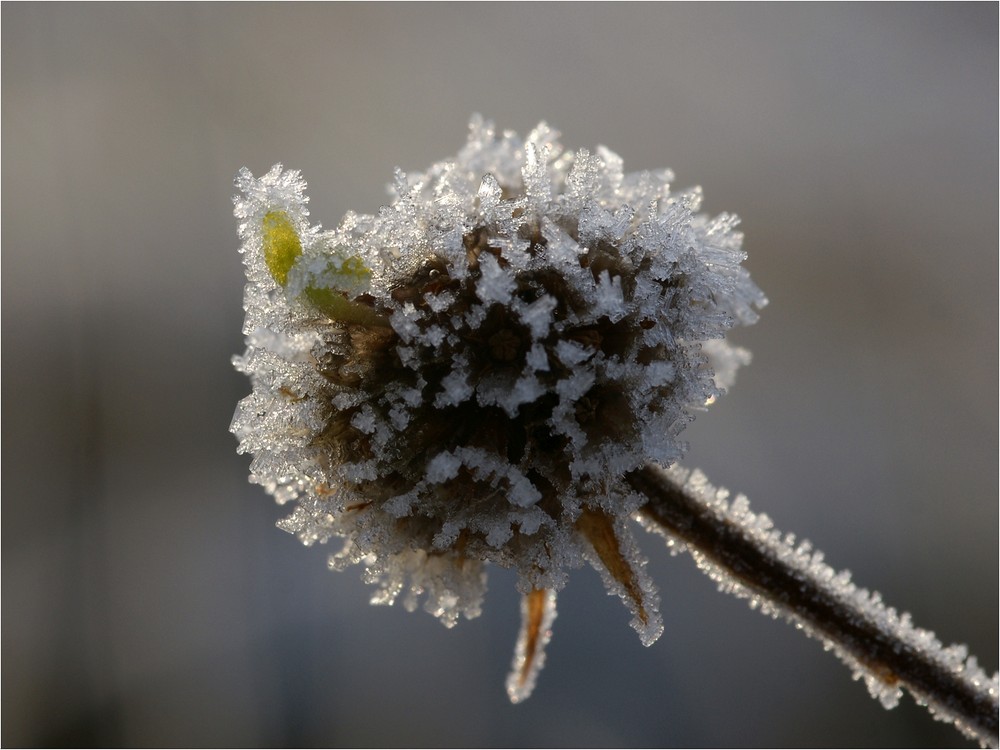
467,376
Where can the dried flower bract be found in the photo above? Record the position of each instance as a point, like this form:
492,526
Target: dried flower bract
466,377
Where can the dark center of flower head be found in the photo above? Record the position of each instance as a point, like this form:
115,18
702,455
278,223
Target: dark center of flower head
493,349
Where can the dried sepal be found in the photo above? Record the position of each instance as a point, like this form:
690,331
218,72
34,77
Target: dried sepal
622,568
538,611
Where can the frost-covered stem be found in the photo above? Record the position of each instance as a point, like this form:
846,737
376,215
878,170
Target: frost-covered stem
742,552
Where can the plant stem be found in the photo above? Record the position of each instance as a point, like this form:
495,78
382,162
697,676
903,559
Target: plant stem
747,557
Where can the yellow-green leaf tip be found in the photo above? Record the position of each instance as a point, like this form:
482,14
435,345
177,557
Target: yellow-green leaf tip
354,270
282,246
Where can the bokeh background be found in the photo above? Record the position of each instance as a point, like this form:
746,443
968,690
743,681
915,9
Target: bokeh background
148,598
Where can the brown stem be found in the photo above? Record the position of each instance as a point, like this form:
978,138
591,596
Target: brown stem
858,628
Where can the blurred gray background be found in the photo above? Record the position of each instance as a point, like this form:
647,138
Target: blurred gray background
148,598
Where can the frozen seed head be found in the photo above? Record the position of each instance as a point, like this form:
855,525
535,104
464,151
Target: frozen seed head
467,376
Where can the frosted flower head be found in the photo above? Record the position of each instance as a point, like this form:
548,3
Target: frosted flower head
467,376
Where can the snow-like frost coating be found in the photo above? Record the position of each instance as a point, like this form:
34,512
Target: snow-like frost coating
465,377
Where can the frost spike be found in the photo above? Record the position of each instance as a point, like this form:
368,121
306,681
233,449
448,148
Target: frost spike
538,610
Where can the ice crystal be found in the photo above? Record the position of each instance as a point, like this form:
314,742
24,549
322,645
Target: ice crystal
467,376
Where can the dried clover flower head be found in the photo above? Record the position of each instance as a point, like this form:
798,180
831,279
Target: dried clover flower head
467,376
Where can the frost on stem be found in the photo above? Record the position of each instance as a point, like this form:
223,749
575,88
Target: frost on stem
747,557
467,376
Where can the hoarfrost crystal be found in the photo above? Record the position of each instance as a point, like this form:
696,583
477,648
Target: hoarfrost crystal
467,376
